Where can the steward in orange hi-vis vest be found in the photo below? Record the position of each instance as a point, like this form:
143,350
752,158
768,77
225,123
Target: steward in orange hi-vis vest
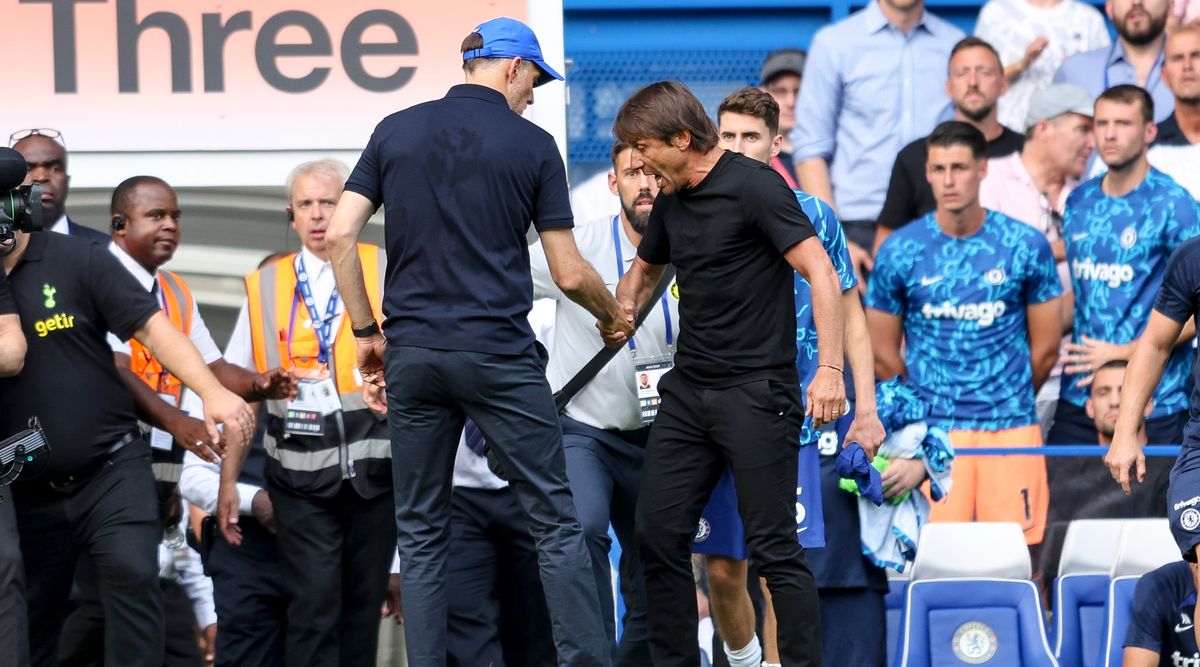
354,441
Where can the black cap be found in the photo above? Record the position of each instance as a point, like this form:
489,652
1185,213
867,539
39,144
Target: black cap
781,62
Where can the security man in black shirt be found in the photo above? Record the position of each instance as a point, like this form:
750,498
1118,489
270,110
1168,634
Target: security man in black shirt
89,493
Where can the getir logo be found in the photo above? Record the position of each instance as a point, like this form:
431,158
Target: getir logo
1114,275
985,313
55,323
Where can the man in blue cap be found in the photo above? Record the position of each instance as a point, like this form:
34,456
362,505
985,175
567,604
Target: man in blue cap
461,178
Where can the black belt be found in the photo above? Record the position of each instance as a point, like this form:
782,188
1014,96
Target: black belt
70,482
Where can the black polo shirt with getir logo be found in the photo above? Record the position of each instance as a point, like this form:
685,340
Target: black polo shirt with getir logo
69,292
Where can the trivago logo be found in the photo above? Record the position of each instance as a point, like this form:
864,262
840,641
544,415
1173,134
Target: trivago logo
985,313
1114,275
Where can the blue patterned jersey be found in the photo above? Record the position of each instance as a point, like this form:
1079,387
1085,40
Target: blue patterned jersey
963,302
1117,248
829,231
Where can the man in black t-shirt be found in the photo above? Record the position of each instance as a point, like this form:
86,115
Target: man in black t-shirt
974,83
734,231
1162,630
89,492
14,640
460,179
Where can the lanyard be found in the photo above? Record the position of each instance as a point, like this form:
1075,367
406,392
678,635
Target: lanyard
621,274
323,328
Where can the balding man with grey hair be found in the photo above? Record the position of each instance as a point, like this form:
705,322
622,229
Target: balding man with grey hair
329,478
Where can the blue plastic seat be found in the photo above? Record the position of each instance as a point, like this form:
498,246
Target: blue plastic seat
1089,553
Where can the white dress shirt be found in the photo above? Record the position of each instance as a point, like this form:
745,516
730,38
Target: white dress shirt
189,572
199,334
60,226
610,400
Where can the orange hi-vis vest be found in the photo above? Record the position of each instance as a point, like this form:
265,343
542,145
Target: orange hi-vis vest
177,303
355,445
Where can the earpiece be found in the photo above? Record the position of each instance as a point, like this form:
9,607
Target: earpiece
118,221
291,217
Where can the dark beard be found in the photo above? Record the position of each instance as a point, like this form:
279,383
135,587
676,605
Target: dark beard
977,115
1155,31
639,221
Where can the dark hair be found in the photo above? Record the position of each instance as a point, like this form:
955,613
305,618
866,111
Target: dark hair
958,133
753,102
617,147
974,43
1114,363
661,111
1127,93
127,188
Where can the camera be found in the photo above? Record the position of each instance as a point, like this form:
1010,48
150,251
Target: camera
20,205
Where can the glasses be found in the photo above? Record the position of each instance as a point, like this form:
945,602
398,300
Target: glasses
49,133
1053,217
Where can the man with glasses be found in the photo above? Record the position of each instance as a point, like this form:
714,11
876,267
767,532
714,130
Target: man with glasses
329,473
45,151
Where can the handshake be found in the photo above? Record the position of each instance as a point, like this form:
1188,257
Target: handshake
619,322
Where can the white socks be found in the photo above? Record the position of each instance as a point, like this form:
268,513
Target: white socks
749,655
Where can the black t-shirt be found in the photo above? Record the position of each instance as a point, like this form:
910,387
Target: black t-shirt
909,195
1161,619
8,305
1179,299
460,179
726,237
1169,133
69,293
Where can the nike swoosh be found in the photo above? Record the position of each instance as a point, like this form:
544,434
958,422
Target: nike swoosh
1179,627
1079,237
926,282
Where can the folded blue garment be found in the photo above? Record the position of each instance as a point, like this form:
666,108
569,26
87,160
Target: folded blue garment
852,464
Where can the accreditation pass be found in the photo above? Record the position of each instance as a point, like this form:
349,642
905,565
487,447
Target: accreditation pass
647,371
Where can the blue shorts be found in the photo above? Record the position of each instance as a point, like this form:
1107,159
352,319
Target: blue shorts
1183,501
721,532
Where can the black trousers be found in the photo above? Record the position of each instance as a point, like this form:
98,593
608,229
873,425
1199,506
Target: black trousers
108,516
755,429
250,599
14,624
497,609
334,556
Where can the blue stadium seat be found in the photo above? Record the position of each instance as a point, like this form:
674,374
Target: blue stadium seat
1146,544
971,601
1081,590
893,604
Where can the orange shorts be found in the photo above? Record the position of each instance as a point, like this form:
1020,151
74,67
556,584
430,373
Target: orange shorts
997,488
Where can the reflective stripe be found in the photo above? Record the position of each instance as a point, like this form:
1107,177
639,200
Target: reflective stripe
371,448
313,461
167,472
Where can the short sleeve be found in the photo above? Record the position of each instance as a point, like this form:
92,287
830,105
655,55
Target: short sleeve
1183,220
899,206
1041,275
8,303
125,305
655,247
771,205
885,290
829,230
366,179
202,339
1151,608
1181,281
552,202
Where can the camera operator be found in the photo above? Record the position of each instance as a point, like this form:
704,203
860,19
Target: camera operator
89,493
13,632
45,151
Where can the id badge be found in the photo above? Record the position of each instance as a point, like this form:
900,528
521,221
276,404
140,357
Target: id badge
305,414
647,372
160,439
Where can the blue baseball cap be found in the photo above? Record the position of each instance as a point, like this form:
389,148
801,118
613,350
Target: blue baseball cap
509,38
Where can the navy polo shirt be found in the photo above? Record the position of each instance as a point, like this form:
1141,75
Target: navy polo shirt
461,179
1161,619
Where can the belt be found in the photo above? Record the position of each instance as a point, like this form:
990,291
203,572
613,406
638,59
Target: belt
70,482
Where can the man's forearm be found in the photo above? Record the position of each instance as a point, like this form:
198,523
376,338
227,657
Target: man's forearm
858,350
814,179
177,354
590,292
150,406
1144,371
236,379
12,346
639,282
352,213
